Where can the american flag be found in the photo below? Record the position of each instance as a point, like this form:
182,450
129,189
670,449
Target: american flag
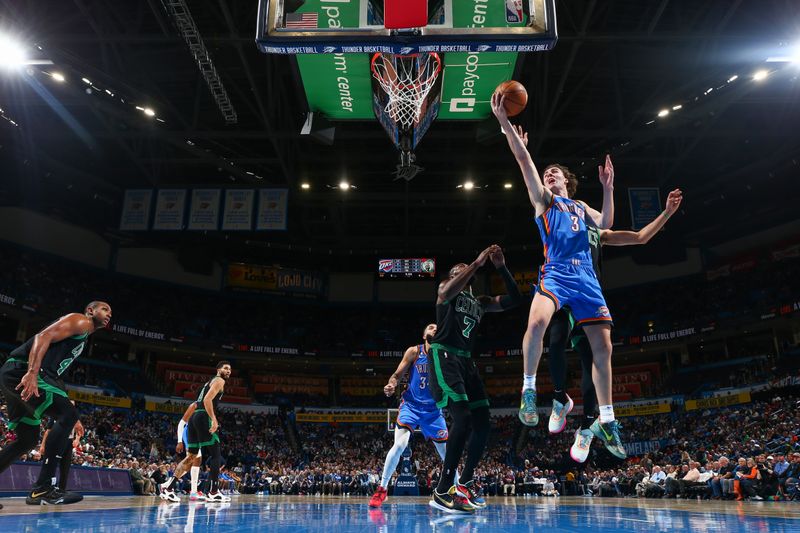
302,20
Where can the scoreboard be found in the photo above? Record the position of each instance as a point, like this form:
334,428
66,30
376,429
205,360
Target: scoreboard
409,268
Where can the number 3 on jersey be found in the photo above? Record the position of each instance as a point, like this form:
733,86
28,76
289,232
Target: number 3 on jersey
469,323
575,226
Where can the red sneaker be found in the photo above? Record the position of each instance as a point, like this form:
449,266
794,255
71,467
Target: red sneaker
378,498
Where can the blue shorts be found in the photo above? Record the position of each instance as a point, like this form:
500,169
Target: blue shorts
577,287
430,422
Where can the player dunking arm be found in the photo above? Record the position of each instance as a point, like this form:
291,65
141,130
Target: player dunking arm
202,431
563,325
417,410
191,462
566,278
31,383
457,384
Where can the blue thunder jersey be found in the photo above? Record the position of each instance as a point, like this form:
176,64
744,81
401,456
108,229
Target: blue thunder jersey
417,393
564,233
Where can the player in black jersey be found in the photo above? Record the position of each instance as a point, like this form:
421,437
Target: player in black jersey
203,431
31,383
563,329
456,383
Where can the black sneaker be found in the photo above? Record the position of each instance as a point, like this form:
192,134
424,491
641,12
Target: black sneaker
472,493
52,496
451,502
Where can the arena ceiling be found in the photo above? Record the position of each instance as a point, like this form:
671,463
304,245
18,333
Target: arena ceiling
732,146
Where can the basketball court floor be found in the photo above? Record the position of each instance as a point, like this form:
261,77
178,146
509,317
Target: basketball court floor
338,515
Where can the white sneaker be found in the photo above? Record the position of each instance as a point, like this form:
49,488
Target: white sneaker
217,497
170,496
558,416
583,442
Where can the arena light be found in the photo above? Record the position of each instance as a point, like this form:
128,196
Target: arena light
760,75
12,54
57,76
507,185
468,185
343,185
87,81
149,112
676,107
305,186
663,113
733,78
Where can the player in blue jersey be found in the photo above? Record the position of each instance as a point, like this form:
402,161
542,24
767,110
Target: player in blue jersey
566,277
417,410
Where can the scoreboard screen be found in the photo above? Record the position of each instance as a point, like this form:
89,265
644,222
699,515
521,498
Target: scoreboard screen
411,268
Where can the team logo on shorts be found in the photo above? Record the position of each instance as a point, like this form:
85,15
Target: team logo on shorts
603,311
441,434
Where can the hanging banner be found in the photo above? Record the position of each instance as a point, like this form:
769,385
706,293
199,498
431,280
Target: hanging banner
238,210
720,401
99,399
275,280
136,210
170,208
645,205
204,210
272,208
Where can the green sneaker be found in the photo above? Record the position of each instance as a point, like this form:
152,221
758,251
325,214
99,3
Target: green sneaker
528,414
609,435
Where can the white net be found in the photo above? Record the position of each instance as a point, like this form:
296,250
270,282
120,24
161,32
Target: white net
407,80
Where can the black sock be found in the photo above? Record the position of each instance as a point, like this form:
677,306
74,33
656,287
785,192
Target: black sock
557,357
587,385
560,396
477,442
456,440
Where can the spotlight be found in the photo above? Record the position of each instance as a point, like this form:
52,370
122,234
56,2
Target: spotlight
663,113
469,185
733,78
149,112
760,75
343,185
306,186
12,54
87,81
676,107
507,185
58,77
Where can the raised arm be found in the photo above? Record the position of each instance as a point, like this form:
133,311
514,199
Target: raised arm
450,287
497,304
604,219
408,359
66,326
627,238
517,141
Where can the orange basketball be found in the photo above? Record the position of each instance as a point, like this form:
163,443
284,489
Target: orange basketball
516,96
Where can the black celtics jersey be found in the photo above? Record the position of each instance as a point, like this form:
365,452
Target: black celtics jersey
595,247
204,391
457,321
59,356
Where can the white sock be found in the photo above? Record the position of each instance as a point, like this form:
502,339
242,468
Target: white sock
606,414
194,472
528,382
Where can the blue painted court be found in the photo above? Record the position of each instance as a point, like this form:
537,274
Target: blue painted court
338,515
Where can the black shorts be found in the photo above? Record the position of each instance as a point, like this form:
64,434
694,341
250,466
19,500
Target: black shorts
456,378
198,435
51,395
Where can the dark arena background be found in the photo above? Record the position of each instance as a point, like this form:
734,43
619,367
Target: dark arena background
283,185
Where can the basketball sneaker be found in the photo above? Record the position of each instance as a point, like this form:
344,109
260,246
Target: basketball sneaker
471,492
217,497
609,434
52,496
528,414
451,502
169,495
378,498
558,416
583,442
197,496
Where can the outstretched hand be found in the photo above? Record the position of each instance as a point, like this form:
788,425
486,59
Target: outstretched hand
497,257
606,173
499,108
673,201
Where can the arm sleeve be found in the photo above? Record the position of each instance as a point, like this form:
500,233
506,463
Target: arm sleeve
514,297
181,426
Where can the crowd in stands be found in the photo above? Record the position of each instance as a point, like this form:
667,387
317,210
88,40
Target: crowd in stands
52,286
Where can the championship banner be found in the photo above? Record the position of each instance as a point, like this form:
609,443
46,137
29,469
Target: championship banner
99,399
170,208
719,401
274,280
642,410
645,205
356,418
136,210
526,281
204,210
238,215
272,209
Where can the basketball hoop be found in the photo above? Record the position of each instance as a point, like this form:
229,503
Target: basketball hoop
407,80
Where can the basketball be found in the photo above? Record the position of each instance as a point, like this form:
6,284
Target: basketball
516,96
